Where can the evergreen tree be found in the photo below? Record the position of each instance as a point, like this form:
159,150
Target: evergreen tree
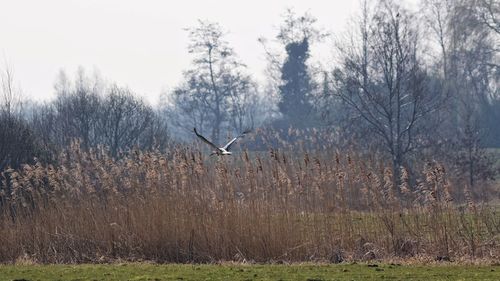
297,86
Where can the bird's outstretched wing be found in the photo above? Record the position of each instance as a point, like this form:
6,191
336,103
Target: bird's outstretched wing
205,140
228,145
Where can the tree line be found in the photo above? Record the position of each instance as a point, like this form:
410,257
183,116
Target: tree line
406,84
86,111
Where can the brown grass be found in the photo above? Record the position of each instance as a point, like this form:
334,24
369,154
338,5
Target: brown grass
273,206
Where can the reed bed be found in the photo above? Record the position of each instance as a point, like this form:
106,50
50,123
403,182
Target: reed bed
273,206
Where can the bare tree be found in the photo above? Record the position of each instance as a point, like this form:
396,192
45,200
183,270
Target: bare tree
383,80
77,110
244,102
11,94
437,15
157,133
18,144
297,28
465,33
488,13
475,61
188,108
122,119
214,89
95,114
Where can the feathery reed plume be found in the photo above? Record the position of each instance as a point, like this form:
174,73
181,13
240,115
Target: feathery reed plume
293,205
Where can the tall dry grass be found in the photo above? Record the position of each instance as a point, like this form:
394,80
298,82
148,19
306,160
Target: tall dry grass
271,206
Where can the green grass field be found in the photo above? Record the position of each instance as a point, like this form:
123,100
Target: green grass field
247,272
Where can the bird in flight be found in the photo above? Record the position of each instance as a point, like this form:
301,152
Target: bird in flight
221,150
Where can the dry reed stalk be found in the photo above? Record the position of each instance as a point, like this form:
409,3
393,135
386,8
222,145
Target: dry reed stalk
186,207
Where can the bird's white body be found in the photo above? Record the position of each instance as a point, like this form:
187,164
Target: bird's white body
224,152
220,150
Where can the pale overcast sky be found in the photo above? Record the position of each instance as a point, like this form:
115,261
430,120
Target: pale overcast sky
139,44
